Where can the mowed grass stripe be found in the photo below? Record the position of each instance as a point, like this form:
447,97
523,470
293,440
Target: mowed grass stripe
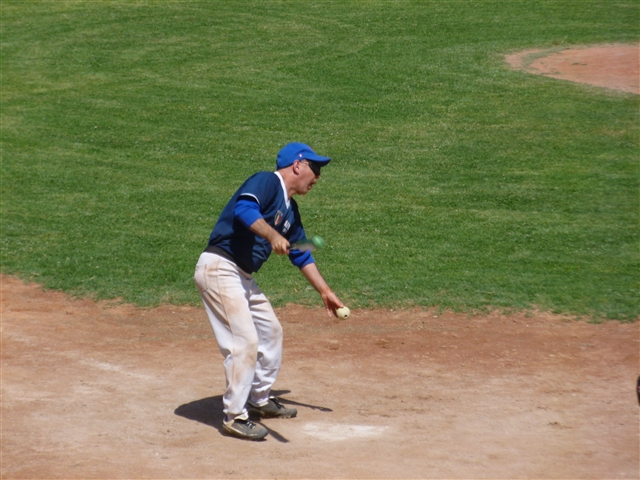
456,182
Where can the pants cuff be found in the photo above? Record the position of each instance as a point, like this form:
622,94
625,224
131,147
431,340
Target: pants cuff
231,418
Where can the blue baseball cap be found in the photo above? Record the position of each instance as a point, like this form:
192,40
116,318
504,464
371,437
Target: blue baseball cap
298,151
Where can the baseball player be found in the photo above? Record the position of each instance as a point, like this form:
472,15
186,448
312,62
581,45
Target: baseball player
261,217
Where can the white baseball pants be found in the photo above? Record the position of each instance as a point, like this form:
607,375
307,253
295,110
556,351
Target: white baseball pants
247,330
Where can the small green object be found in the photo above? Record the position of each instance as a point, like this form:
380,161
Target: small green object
317,241
312,243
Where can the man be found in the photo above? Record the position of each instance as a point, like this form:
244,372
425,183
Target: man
261,217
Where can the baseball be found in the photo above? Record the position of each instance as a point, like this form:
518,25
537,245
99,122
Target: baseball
343,312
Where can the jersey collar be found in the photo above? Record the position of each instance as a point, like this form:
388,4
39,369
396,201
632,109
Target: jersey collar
284,189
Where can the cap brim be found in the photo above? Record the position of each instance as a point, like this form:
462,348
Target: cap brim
318,159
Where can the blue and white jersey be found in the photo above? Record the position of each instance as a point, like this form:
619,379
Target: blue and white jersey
232,239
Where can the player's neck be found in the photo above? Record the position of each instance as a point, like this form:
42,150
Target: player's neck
289,182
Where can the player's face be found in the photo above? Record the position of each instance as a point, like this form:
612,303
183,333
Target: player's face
309,172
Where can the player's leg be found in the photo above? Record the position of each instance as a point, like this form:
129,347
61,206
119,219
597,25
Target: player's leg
269,359
269,333
223,293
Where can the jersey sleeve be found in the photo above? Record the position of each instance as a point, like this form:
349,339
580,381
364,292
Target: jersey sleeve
297,233
247,211
300,259
262,188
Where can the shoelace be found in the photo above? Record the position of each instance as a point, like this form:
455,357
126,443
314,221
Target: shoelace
250,425
278,404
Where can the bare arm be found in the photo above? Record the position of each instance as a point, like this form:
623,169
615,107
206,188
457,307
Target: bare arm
279,244
330,299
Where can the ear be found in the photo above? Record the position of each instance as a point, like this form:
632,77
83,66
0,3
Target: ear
295,168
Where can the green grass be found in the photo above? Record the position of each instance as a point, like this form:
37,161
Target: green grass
456,182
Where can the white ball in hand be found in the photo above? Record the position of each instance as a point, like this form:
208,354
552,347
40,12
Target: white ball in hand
343,312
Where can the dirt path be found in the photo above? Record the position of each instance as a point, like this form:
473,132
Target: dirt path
615,66
92,391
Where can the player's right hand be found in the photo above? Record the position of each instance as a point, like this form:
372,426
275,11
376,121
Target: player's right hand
280,245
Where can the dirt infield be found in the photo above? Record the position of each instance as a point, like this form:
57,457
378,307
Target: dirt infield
97,391
615,66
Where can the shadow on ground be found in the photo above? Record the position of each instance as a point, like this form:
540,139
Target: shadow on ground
209,412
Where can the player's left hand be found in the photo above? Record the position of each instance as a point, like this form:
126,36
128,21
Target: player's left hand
330,299
332,303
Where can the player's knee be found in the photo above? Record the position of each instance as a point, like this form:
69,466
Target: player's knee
245,344
252,347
